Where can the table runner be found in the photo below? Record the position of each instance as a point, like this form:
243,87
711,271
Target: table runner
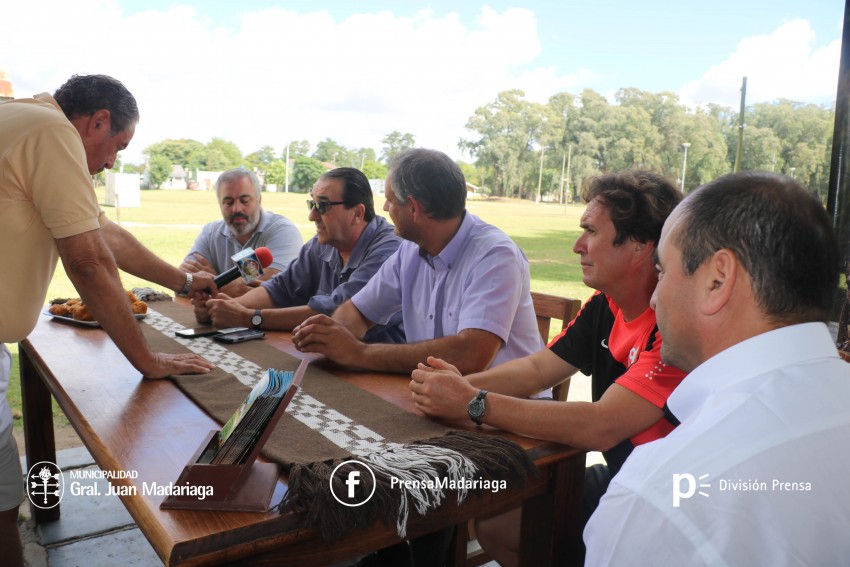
331,421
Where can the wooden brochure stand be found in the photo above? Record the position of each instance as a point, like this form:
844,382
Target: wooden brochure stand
246,487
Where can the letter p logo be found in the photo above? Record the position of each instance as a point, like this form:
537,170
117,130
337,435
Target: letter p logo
678,494
679,480
352,481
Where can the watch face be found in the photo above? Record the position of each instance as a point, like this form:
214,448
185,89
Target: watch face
476,408
256,320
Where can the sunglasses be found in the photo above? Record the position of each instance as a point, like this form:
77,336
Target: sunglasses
322,206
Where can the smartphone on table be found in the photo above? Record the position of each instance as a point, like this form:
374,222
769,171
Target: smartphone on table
239,336
197,332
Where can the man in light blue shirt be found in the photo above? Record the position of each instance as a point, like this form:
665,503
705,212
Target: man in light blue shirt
462,285
350,245
245,224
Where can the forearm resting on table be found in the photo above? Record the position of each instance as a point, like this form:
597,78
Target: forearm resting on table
274,317
472,350
286,318
92,270
352,319
524,377
597,426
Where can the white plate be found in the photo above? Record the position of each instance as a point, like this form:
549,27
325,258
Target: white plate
86,323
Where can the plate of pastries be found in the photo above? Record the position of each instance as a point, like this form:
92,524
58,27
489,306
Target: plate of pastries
75,311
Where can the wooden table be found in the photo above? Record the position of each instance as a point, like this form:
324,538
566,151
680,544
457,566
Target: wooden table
151,427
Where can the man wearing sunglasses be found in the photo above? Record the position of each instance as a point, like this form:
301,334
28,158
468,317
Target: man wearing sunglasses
351,243
244,224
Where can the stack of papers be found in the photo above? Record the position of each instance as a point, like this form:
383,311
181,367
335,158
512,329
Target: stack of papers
242,431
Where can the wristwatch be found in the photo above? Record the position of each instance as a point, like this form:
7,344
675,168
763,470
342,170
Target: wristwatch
477,407
186,286
257,319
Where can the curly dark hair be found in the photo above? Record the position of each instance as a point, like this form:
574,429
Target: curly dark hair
638,201
83,95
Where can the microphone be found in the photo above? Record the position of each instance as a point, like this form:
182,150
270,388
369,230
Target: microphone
249,265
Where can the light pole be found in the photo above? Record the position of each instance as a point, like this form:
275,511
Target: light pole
540,177
287,168
685,145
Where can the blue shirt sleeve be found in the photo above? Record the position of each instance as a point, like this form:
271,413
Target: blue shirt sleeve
296,284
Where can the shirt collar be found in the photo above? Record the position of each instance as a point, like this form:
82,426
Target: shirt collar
452,250
45,97
755,356
358,253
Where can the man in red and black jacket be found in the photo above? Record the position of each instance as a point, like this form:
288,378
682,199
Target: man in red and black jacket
629,356
614,338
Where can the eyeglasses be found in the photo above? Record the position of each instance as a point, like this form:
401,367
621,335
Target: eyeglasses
322,206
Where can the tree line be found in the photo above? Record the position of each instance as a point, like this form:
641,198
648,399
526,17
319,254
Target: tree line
517,146
584,135
306,167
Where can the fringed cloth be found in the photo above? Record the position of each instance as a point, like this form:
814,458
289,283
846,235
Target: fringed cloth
416,461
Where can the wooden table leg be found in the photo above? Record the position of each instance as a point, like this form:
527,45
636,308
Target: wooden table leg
38,423
568,545
535,535
551,531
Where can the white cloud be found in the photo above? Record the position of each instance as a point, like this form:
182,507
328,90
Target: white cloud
274,75
783,64
269,76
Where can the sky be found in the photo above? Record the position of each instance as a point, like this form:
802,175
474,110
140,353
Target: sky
263,72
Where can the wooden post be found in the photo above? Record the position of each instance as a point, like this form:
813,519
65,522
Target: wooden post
740,149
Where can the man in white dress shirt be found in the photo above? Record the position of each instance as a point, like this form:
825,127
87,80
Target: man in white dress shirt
757,473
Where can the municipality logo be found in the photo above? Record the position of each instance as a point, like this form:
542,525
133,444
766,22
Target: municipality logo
352,483
45,485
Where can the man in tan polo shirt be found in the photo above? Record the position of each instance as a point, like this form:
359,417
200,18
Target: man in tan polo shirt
49,148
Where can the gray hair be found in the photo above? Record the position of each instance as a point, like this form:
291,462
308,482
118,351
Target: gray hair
432,178
779,232
233,175
83,95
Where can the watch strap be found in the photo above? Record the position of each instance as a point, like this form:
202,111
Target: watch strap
187,286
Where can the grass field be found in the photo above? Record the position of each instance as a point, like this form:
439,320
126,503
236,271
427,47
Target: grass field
168,222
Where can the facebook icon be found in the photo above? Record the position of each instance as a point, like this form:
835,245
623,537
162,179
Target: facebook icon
351,482
355,473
